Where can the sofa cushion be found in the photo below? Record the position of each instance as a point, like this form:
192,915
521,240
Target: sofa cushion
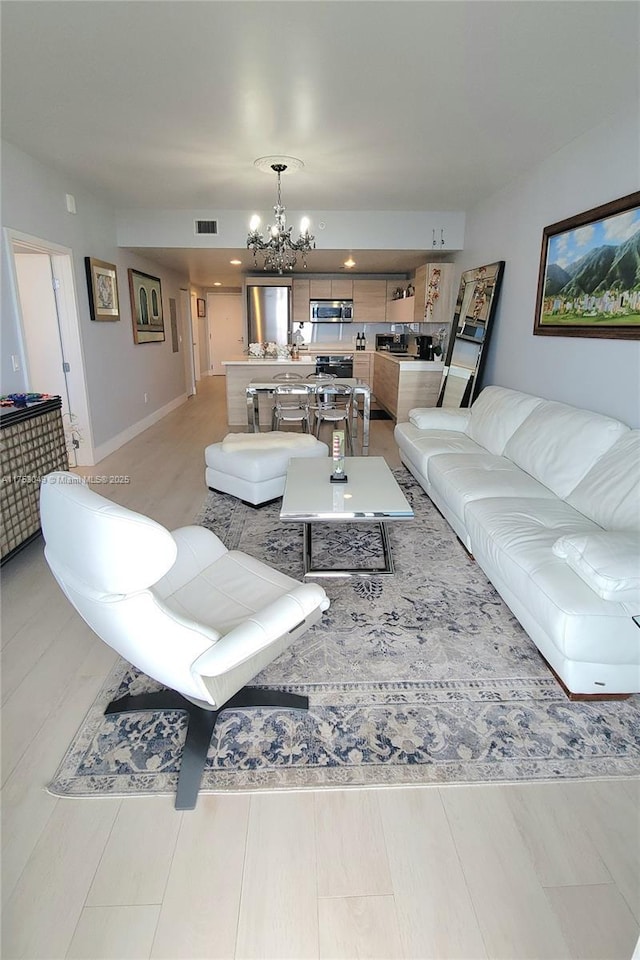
419,447
607,561
514,546
437,418
558,444
497,414
459,478
610,492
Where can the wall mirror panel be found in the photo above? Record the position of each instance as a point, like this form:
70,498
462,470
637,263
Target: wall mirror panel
471,329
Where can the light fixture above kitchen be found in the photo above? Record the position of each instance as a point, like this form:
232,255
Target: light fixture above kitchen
235,263
280,251
350,263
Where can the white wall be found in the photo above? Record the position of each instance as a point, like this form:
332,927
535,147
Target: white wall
333,229
602,375
118,371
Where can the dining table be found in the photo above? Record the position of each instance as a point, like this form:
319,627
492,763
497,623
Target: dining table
361,393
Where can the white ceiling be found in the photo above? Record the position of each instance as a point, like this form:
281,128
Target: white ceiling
392,105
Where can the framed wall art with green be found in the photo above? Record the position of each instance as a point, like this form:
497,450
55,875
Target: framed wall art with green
589,279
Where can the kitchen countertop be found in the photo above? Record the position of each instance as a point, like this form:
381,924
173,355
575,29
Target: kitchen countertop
309,357
411,363
263,361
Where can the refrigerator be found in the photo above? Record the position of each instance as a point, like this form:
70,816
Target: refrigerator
268,314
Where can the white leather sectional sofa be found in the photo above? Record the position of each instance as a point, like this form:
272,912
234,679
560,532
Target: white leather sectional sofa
547,499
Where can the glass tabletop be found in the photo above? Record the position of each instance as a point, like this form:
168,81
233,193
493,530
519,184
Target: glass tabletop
370,493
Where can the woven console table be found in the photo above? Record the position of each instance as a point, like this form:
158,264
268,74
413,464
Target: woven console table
32,444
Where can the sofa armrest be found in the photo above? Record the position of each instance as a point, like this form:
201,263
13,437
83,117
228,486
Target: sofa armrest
439,418
607,561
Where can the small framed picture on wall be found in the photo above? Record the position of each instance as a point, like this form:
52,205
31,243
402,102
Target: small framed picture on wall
102,282
146,307
202,307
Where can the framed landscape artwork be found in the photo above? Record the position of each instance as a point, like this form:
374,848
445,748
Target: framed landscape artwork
589,280
146,307
102,281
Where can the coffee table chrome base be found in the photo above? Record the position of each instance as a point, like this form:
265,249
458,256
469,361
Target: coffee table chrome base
310,571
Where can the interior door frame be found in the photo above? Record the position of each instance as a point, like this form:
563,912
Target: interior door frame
69,326
187,342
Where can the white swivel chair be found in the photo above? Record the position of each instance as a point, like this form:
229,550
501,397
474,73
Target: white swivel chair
198,618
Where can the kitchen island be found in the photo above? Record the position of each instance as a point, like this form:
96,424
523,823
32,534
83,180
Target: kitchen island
250,384
401,382
240,371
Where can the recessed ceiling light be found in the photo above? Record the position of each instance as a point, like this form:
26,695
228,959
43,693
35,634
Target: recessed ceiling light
217,284
349,263
236,263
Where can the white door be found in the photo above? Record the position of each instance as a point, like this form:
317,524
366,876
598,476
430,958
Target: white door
226,330
195,331
40,325
41,275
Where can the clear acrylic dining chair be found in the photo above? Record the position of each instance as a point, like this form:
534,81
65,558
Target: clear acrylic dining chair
291,404
333,404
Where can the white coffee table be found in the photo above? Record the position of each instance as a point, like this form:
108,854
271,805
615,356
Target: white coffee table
370,495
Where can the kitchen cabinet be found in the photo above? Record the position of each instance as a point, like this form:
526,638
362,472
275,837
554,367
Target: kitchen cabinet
331,288
301,295
369,301
342,288
401,311
386,377
399,385
320,289
433,301
362,367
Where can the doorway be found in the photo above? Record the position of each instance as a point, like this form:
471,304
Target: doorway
225,328
195,329
187,342
42,279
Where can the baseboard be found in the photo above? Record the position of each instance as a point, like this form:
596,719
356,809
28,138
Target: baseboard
118,441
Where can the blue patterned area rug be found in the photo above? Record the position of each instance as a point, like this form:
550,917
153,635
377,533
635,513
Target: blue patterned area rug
421,678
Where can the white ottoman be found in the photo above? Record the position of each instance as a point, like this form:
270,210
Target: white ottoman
253,466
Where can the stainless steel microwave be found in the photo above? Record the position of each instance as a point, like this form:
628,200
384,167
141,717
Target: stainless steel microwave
331,311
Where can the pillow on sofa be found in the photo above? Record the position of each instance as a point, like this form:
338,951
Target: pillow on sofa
438,418
607,561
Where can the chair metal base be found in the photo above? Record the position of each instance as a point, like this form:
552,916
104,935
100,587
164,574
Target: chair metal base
200,726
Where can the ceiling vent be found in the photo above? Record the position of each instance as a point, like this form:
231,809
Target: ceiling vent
208,227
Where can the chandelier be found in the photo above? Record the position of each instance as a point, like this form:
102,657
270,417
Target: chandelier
280,251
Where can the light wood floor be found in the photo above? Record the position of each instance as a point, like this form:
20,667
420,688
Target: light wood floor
537,870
